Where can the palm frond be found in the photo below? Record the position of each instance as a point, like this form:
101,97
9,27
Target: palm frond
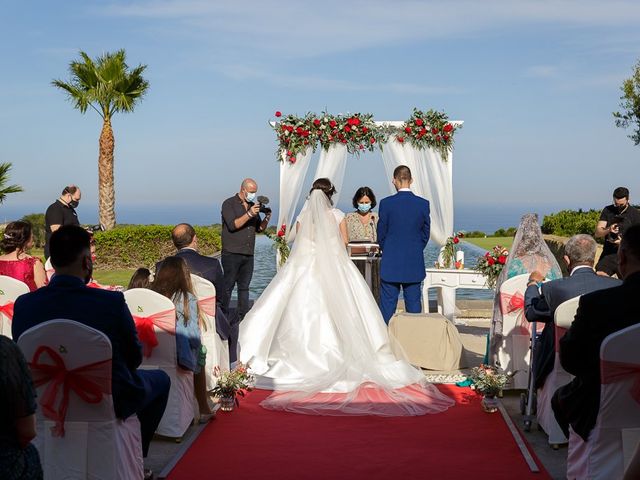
4,178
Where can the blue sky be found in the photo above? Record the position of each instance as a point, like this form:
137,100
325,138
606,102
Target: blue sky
534,81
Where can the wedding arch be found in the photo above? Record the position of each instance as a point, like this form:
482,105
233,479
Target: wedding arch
424,143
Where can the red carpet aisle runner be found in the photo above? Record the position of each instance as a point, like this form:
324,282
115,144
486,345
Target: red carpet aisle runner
251,442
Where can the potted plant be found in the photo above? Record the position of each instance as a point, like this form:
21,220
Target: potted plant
489,382
231,384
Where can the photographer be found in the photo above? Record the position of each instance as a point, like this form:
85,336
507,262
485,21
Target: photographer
614,220
241,220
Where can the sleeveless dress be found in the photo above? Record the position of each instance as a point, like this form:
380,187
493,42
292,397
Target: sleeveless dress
20,270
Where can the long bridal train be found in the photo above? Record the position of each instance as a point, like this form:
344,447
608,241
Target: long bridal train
317,338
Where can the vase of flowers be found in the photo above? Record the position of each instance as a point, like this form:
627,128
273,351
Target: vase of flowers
231,385
492,264
489,382
280,243
448,252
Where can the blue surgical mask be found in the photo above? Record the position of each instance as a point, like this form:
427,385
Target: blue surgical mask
250,196
364,207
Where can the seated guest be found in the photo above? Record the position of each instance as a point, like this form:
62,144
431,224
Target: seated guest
16,263
186,242
19,459
360,226
143,392
599,314
141,278
540,305
174,282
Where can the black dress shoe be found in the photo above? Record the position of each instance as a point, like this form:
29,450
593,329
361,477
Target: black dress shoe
148,474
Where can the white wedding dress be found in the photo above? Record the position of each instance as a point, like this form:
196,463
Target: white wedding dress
317,338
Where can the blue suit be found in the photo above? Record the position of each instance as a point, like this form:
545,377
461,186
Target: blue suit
144,392
403,233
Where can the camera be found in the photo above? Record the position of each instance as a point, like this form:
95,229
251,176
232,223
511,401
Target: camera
262,201
95,228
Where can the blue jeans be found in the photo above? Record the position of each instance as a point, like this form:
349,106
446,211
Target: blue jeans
238,269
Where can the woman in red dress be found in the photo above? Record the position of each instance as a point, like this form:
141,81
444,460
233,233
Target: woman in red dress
16,263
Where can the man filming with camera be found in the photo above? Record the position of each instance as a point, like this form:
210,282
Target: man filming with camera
614,220
241,220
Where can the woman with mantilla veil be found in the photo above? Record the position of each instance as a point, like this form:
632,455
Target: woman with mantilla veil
529,252
317,338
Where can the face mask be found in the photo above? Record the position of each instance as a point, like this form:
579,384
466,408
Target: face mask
74,204
622,208
250,196
364,207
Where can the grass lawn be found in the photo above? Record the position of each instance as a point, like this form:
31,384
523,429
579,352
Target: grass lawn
490,242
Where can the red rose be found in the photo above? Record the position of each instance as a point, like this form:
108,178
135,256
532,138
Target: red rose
332,123
299,130
281,233
445,137
502,259
316,122
372,140
361,147
355,121
288,153
305,133
343,141
329,138
437,138
278,114
347,128
334,131
292,159
306,142
487,255
456,240
407,129
447,128
419,122
490,261
423,131
400,139
434,130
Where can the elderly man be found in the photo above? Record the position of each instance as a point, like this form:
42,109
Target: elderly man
541,304
186,242
241,220
61,212
599,315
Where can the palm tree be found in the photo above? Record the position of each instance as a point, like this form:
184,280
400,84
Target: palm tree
108,86
4,178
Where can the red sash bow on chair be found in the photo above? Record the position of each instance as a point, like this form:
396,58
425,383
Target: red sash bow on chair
208,305
166,320
515,303
612,372
559,334
89,382
7,310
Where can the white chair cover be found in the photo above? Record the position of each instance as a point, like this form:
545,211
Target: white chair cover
557,377
180,409
217,349
514,351
96,445
602,457
10,290
48,268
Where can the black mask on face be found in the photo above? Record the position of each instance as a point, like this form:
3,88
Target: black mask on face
622,208
74,203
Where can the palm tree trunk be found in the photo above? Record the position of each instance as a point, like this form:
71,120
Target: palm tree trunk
106,190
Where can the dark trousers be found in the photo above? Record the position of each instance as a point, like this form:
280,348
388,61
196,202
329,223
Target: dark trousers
238,269
389,293
156,388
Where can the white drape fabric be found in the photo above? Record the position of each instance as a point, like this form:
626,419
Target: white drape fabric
292,177
432,179
332,165
316,335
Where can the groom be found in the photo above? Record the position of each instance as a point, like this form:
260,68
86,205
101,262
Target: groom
403,233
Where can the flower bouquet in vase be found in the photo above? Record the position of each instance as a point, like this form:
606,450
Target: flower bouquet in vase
448,256
492,264
489,382
232,384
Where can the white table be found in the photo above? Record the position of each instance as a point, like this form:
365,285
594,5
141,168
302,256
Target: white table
447,281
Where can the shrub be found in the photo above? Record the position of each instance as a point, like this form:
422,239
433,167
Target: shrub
475,234
566,223
130,247
509,232
37,223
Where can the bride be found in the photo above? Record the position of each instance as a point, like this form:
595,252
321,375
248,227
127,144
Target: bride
317,338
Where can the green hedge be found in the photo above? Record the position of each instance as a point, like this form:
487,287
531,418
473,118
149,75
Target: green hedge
37,224
566,223
143,245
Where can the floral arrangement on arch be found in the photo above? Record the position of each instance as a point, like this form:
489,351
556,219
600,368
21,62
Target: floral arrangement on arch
487,380
430,129
449,252
233,383
492,263
280,243
359,132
